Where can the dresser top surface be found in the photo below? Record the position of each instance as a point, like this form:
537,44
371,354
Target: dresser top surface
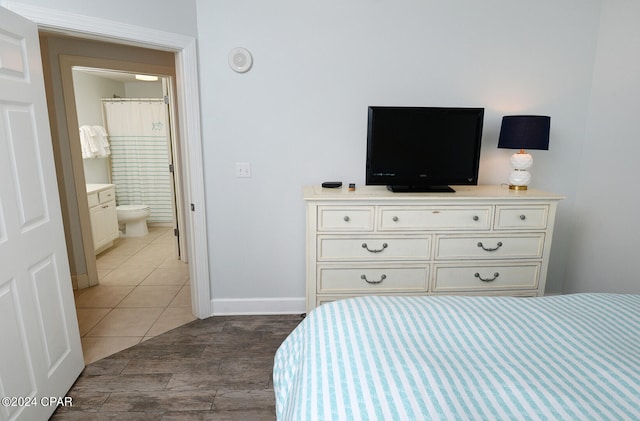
480,192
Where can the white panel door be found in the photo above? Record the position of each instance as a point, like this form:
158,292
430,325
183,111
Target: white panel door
40,350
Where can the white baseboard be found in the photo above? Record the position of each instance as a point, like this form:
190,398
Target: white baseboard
254,306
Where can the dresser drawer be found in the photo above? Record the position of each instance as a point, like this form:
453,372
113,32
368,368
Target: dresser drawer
357,218
521,217
485,277
354,279
107,195
432,218
489,247
336,248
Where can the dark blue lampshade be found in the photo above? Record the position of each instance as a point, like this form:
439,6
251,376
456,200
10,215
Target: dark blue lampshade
525,132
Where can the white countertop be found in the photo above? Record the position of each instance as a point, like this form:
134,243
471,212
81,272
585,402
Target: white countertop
94,188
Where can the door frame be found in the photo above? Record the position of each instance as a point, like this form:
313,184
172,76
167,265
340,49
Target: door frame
188,105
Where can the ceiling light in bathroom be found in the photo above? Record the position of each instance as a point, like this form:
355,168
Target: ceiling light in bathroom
147,78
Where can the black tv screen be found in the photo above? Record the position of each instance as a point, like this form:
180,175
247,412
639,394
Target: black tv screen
423,148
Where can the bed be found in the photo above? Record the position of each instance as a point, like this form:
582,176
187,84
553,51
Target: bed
560,357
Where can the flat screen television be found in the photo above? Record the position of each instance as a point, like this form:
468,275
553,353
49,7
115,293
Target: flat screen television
423,149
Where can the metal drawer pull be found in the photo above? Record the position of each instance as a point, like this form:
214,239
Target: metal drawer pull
498,245
382,278
476,218
395,219
384,246
346,218
495,275
523,217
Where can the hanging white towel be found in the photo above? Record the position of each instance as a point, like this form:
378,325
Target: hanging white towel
102,139
94,142
85,142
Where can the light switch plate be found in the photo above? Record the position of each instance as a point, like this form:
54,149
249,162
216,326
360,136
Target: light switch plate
243,169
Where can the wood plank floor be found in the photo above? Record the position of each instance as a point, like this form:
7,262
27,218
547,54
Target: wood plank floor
214,369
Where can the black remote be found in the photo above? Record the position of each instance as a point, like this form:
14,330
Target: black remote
332,184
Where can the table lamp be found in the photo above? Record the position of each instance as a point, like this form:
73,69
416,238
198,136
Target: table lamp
523,132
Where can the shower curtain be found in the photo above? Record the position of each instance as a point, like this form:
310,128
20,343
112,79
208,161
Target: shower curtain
139,140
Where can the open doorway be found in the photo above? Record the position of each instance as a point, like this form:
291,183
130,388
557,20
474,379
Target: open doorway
139,285
136,164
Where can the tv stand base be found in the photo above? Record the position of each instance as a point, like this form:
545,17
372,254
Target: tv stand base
421,189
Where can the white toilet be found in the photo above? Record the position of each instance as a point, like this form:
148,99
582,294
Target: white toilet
134,219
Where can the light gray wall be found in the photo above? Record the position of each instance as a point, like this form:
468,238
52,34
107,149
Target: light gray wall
605,246
144,89
89,90
299,115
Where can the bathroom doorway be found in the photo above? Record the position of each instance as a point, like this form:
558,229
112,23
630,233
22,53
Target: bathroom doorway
143,286
140,286
60,55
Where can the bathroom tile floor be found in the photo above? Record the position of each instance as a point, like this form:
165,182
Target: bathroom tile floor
143,292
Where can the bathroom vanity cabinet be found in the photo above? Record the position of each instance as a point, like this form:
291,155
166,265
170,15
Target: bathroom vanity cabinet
104,218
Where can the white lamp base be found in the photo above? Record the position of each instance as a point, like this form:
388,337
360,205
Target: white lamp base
519,177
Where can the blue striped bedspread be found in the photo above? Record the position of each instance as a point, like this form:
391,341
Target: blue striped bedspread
565,357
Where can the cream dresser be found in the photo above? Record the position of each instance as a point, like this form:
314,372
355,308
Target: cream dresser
479,240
